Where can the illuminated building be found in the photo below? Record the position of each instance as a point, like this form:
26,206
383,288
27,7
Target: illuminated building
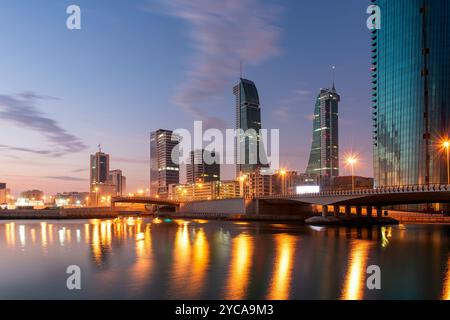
199,170
248,119
410,91
324,157
163,170
204,191
117,179
99,169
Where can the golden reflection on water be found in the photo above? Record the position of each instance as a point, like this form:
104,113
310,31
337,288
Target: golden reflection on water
200,263
141,270
44,235
284,263
241,262
181,260
446,288
355,279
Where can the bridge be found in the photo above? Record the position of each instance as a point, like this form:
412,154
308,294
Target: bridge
369,198
293,203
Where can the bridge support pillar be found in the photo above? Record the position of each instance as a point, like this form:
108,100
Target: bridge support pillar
348,211
358,211
324,211
379,212
336,211
369,211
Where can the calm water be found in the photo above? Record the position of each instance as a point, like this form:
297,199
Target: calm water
153,259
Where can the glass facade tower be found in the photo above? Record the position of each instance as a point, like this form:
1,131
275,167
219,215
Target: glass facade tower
248,119
410,91
163,171
324,157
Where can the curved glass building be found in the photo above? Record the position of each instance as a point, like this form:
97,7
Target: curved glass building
248,119
410,91
324,157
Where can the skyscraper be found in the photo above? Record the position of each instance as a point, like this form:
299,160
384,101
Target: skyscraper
410,91
99,169
117,179
248,119
163,171
324,157
199,170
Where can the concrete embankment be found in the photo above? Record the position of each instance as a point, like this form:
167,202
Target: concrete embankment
65,213
235,217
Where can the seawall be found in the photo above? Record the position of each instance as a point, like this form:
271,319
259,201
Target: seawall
64,214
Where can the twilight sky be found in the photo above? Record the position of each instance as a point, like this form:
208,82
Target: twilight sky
140,65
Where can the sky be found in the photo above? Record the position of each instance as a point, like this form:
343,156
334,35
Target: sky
140,65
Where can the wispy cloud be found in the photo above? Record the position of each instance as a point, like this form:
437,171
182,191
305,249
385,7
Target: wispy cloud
21,110
223,33
293,101
65,178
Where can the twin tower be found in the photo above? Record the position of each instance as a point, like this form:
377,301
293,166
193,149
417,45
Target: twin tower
324,159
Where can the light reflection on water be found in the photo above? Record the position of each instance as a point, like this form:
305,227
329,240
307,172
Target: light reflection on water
199,259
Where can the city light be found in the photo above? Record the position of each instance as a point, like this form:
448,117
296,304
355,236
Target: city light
446,145
352,160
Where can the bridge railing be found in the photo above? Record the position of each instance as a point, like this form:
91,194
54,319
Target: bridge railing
380,190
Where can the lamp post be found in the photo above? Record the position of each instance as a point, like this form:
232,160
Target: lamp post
351,161
242,179
446,145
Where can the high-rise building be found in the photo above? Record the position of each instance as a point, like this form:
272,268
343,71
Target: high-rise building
99,169
3,193
163,170
117,179
324,157
199,170
410,91
248,119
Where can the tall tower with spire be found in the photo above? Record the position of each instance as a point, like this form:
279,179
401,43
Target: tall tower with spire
324,157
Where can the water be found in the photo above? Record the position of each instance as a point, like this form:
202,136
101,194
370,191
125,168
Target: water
134,258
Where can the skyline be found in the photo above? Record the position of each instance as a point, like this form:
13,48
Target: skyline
83,85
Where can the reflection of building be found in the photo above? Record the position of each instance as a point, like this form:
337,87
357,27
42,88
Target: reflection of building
119,181
71,198
410,91
345,183
199,169
204,191
163,171
324,156
248,119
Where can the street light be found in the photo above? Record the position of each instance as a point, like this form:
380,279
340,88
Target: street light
352,161
446,145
